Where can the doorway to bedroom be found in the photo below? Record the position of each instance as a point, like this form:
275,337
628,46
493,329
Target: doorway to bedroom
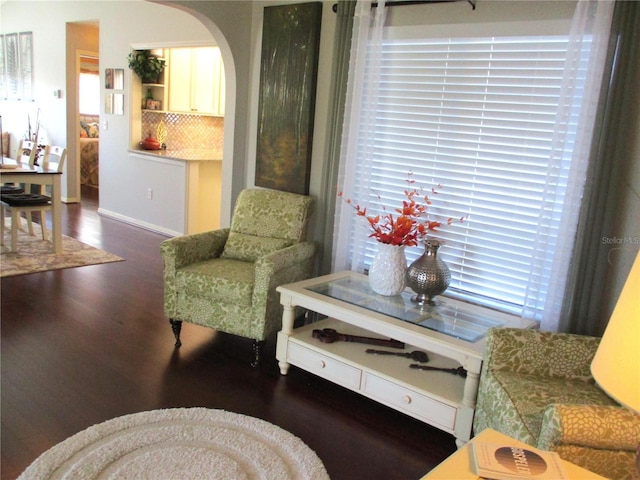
89,120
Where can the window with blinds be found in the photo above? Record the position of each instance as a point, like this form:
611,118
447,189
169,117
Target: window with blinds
478,116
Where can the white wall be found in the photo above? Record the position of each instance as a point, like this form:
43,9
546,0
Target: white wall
122,24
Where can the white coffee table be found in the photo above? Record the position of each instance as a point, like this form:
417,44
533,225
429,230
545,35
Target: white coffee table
452,334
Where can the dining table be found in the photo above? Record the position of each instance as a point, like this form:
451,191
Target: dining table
12,171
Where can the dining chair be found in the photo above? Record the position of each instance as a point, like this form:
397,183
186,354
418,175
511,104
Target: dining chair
54,158
26,154
29,202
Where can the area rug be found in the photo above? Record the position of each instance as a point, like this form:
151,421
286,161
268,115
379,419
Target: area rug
35,255
180,443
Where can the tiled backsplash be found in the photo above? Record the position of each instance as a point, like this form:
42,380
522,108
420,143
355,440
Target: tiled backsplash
186,131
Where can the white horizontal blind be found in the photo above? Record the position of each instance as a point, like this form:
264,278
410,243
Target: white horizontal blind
478,116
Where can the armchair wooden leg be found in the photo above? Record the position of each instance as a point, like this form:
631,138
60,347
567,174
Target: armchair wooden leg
258,348
176,326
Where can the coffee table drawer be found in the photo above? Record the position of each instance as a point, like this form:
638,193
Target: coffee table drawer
410,401
324,366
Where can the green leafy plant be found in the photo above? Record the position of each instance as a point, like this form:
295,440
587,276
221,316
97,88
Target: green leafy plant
146,65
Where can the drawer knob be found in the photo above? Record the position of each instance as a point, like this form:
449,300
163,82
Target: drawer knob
406,399
322,364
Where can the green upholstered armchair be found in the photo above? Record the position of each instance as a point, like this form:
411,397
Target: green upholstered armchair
226,279
537,387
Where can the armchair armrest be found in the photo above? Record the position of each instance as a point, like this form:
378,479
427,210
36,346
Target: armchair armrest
287,257
283,266
592,426
179,252
533,352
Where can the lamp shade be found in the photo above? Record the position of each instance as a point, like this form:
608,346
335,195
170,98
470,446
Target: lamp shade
616,365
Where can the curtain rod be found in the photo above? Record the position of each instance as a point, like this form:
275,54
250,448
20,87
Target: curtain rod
400,3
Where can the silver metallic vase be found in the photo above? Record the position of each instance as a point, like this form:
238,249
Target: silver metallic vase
428,276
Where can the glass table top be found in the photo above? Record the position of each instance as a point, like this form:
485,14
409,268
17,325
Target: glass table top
447,318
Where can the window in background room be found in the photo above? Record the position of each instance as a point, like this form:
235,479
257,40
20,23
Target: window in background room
478,115
89,86
89,94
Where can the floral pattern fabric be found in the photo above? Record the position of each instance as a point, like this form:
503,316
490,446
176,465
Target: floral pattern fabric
226,279
536,387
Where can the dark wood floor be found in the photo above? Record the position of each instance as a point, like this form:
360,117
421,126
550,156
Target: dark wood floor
84,345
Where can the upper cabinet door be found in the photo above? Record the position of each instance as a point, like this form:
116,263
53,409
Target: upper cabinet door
194,81
219,83
202,80
179,67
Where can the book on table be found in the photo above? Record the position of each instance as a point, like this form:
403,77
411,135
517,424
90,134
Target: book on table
507,462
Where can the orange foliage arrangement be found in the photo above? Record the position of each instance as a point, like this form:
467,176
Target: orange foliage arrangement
409,224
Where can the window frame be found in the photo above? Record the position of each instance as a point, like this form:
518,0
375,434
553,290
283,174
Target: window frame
360,228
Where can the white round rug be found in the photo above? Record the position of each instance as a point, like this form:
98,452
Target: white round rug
181,443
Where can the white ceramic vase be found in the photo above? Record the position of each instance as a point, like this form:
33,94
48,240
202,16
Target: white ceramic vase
387,275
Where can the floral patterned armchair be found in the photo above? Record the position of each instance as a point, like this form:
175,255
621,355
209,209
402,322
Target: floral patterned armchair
537,387
226,279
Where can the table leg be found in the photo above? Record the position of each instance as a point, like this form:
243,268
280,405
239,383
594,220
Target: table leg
284,367
471,389
56,213
15,220
2,225
288,317
464,421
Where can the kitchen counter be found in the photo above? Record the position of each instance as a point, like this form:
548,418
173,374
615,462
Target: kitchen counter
187,180
186,155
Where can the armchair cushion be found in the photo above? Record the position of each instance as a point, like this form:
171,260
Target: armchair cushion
220,280
249,248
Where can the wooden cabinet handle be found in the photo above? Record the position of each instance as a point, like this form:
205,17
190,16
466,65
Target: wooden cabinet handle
406,399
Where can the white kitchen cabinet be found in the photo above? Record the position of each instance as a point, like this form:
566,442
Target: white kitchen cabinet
196,81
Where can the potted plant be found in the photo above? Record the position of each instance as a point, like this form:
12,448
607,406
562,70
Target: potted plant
146,65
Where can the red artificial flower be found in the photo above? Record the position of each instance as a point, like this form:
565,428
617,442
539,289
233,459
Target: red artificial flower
409,225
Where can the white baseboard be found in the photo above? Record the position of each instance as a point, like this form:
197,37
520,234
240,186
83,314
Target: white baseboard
137,223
